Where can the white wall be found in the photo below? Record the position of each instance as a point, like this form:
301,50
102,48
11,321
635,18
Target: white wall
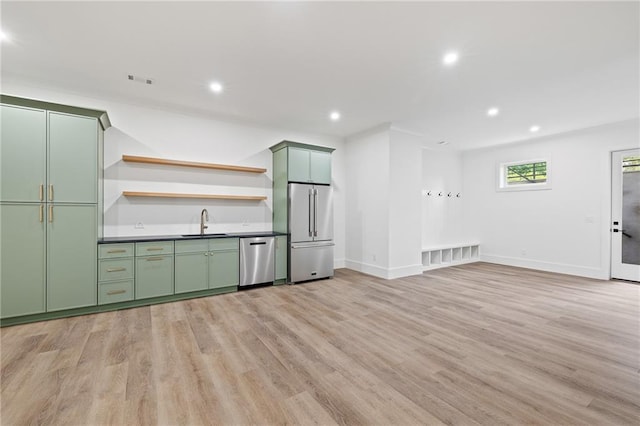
405,173
442,220
140,130
383,203
367,213
564,229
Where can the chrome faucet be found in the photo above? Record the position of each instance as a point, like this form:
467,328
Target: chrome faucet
204,215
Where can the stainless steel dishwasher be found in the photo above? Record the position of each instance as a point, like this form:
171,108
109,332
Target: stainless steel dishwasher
257,260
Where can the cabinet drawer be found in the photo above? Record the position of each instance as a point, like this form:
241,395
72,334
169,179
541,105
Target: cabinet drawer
192,246
154,248
107,251
224,244
117,291
115,269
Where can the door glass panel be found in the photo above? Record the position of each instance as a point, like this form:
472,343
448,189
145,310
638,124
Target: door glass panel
631,210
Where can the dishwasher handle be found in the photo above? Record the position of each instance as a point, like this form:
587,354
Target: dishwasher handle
261,243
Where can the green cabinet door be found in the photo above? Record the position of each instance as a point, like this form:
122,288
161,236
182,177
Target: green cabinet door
192,271
299,163
154,276
22,259
23,138
224,268
281,257
71,256
320,167
73,159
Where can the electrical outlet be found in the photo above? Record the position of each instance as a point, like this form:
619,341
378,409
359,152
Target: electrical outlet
139,225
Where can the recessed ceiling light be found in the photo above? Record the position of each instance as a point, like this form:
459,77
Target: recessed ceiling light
334,116
492,112
534,129
450,58
216,87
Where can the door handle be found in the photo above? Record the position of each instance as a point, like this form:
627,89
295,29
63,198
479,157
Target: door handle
41,212
315,212
310,192
51,192
51,214
41,191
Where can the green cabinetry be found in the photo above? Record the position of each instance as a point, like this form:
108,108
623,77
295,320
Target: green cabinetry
281,257
50,177
154,269
115,273
71,259
310,166
206,264
22,248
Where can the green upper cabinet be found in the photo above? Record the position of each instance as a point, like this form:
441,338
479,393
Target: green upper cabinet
305,165
320,167
22,154
22,268
296,162
71,256
73,152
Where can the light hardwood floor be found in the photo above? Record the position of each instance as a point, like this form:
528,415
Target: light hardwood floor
473,344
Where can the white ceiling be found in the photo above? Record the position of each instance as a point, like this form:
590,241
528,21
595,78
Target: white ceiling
560,65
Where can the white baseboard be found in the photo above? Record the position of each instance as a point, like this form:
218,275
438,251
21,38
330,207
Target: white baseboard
385,273
338,263
561,268
447,264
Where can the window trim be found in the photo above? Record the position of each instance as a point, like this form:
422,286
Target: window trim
501,181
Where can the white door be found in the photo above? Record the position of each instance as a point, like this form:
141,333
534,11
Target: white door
625,215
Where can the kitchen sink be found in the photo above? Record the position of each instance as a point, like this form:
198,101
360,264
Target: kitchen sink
203,236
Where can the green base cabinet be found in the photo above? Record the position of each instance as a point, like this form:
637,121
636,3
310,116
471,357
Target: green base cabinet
192,265
22,249
115,273
206,264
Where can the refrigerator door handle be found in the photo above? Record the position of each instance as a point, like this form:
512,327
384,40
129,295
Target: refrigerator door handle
309,211
315,212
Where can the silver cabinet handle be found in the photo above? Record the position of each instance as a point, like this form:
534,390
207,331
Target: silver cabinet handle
155,249
41,212
117,251
41,191
51,213
51,192
154,259
112,292
116,269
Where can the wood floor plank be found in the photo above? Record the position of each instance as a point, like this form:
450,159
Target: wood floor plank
467,345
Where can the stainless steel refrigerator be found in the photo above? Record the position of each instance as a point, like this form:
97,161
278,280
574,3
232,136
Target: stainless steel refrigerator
311,232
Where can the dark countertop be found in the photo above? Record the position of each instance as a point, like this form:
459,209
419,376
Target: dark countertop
144,238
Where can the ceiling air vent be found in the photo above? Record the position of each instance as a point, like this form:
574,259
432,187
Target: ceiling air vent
138,79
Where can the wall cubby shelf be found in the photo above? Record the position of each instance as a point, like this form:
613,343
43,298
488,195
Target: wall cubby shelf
202,196
449,255
167,162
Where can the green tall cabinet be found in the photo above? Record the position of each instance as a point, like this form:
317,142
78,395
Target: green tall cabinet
50,205
294,162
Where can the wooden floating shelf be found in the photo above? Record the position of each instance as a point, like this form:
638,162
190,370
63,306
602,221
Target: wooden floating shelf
202,196
166,162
